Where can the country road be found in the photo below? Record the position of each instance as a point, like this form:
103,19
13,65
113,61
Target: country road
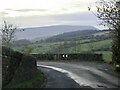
88,74
58,79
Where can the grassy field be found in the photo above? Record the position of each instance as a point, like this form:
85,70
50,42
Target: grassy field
107,55
87,45
102,33
60,47
46,47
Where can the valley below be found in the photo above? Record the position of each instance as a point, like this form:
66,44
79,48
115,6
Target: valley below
77,41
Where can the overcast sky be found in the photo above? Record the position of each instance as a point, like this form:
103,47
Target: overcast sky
30,13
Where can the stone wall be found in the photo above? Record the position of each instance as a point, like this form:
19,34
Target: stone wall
8,70
16,67
26,69
79,57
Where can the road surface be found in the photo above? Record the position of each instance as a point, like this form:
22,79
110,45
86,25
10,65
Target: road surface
57,79
88,74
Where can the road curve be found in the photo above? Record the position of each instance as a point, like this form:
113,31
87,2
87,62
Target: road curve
92,74
57,79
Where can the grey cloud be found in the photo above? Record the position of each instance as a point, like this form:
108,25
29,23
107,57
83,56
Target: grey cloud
26,10
78,5
3,13
64,9
85,16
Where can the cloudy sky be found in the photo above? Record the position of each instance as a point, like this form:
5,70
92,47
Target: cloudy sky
30,13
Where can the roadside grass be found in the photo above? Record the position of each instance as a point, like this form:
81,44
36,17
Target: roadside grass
107,55
36,82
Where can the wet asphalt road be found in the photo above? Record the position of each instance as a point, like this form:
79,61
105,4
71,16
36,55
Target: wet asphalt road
57,79
82,74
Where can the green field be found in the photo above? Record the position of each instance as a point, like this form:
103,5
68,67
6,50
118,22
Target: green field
60,47
102,33
86,45
107,55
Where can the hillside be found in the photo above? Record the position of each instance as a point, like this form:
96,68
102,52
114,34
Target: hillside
71,36
21,42
86,41
47,31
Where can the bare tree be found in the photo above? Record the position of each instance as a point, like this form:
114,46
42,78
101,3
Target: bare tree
109,13
8,33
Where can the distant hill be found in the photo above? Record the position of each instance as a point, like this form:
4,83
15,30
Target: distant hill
47,31
74,35
21,42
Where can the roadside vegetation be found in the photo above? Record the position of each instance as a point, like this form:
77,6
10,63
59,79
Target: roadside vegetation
19,69
109,14
37,81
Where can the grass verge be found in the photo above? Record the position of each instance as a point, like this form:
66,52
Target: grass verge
37,81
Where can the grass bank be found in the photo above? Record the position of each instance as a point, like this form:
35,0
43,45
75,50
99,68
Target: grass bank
37,81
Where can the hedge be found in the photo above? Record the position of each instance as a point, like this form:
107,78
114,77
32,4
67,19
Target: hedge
80,57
